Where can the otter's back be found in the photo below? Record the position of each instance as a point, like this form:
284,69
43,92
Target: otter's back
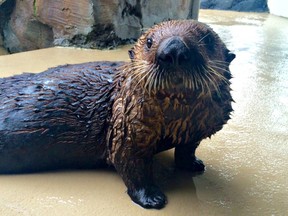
57,118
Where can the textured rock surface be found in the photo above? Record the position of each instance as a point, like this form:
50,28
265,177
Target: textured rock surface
67,18
1,40
23,32
88,23
6,8
2,1
139,14
237,5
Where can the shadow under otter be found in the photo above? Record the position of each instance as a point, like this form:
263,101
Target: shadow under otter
174,93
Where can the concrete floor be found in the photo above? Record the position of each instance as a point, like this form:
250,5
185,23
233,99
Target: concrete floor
246,162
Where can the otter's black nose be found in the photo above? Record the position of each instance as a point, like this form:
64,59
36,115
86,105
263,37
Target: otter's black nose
173,51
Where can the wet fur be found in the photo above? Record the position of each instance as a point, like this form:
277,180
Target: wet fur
117,113
56,119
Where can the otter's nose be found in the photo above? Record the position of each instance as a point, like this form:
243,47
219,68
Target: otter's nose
173,51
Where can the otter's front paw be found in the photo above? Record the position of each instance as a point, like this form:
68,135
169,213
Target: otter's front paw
192,164
148,197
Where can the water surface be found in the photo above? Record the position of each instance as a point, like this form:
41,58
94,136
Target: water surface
3,51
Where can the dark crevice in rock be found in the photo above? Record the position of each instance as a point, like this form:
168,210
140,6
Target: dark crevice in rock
6,8
102,36
130,10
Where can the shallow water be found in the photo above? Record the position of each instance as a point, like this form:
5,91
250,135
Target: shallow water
246,162
3,51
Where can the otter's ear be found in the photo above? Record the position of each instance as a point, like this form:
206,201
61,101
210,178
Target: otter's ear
131,54
230,56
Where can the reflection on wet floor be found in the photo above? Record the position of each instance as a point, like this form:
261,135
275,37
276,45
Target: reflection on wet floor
246,162
253,147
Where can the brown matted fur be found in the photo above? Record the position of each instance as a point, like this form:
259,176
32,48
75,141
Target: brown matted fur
158,108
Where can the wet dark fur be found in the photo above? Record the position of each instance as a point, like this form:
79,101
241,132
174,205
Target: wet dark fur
174,93
55,119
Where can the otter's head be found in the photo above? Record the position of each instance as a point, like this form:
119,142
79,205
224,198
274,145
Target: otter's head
182,54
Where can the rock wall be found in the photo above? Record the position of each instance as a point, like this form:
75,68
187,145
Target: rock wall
237,5
1,41
32,24
23,31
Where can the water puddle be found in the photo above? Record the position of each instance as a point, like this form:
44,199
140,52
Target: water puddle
3,51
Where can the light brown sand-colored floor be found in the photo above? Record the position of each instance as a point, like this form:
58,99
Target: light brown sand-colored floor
246,162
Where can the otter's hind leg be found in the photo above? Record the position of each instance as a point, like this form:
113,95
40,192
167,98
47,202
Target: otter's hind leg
185,158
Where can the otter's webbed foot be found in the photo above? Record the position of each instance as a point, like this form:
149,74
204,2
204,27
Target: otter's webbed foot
148,197
185,159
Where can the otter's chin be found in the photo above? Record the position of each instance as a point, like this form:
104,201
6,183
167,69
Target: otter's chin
178,80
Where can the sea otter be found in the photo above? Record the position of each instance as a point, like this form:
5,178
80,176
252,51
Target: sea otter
173,93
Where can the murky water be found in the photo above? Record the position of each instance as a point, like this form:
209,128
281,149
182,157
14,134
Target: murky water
3,51
246,162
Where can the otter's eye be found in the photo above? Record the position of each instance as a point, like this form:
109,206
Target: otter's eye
149,42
